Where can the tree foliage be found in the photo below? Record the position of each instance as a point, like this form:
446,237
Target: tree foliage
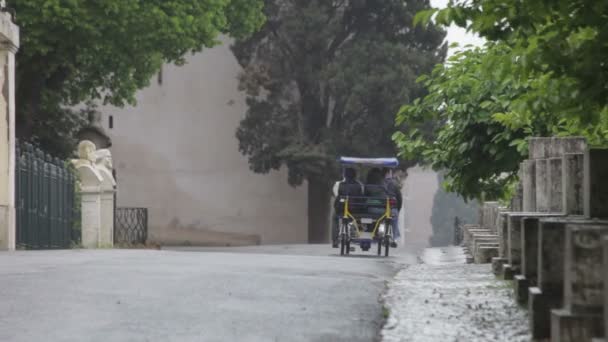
325,78
478,153
541,73
75,51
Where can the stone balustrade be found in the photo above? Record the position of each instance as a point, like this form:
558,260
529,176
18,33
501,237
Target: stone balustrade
553,240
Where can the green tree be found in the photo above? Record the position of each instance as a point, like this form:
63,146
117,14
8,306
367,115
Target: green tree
478,153
75,51
324,78
446,207
541,73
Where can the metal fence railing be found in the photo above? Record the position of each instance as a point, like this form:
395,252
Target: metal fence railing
130,226
45,197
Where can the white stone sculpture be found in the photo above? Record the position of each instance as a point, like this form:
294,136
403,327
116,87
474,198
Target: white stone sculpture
103,163
97,192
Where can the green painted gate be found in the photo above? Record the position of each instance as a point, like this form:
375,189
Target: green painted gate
45,200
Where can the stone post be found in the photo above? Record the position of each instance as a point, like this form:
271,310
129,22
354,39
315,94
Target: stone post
97,192
542,185
529,185
596,185
9,43
581,318
554,185
538,147
108,189
583,287
90,193
572,193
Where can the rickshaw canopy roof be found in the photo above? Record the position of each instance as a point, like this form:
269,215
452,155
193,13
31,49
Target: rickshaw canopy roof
384,162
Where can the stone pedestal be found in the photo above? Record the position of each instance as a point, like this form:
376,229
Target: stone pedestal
529,244
503,234
572,193
92,184
596,183
583,281
542,185
574,327
539,309
554,186
529,185
9,43
515,238
520,287
90,217
538,147
514,242
108,189
552,269
106,229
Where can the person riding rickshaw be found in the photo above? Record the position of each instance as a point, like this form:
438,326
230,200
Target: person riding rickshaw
367,214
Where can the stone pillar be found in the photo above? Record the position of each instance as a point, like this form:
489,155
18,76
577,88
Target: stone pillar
529,185
596,183
514,246
583,286
108,189
90,214
97,191
542,185
538,147
554,185
9,43
581,318
106,230
572,193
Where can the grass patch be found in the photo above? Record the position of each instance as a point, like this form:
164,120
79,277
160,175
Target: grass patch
385,312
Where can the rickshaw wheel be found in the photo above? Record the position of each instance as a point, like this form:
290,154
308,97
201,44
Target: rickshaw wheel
347,247
342,245
380,247
387,244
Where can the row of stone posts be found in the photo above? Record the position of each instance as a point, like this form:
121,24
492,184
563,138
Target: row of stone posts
552,241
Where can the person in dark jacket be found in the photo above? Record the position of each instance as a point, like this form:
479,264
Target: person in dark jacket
394,190
350,187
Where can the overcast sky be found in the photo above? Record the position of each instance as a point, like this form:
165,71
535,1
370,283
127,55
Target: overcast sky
457,34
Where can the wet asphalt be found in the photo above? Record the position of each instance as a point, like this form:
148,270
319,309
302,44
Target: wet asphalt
268,293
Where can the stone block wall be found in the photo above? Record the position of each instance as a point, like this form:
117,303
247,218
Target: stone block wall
553,240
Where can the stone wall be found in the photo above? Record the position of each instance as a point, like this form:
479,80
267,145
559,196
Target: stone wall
176,154
554,248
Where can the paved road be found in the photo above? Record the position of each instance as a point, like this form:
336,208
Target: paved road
277,293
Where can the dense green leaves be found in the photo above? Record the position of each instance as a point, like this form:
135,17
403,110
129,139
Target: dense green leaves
325,78
77,50
543,72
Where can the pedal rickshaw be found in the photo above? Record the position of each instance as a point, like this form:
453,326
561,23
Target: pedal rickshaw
366,220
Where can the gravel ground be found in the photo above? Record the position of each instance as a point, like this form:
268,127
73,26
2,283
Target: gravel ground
444,299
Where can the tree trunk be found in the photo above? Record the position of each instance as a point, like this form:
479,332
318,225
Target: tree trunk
319,208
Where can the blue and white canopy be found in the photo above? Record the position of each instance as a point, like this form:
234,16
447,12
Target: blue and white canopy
385,162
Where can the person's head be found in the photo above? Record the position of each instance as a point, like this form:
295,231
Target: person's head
350,173
386,172
374,176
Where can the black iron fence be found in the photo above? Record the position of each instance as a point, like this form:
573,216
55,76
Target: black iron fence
130,226
45,199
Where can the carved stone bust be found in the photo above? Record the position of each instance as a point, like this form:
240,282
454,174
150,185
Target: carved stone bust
94,166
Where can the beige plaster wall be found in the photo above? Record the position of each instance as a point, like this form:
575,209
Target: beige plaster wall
176,154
